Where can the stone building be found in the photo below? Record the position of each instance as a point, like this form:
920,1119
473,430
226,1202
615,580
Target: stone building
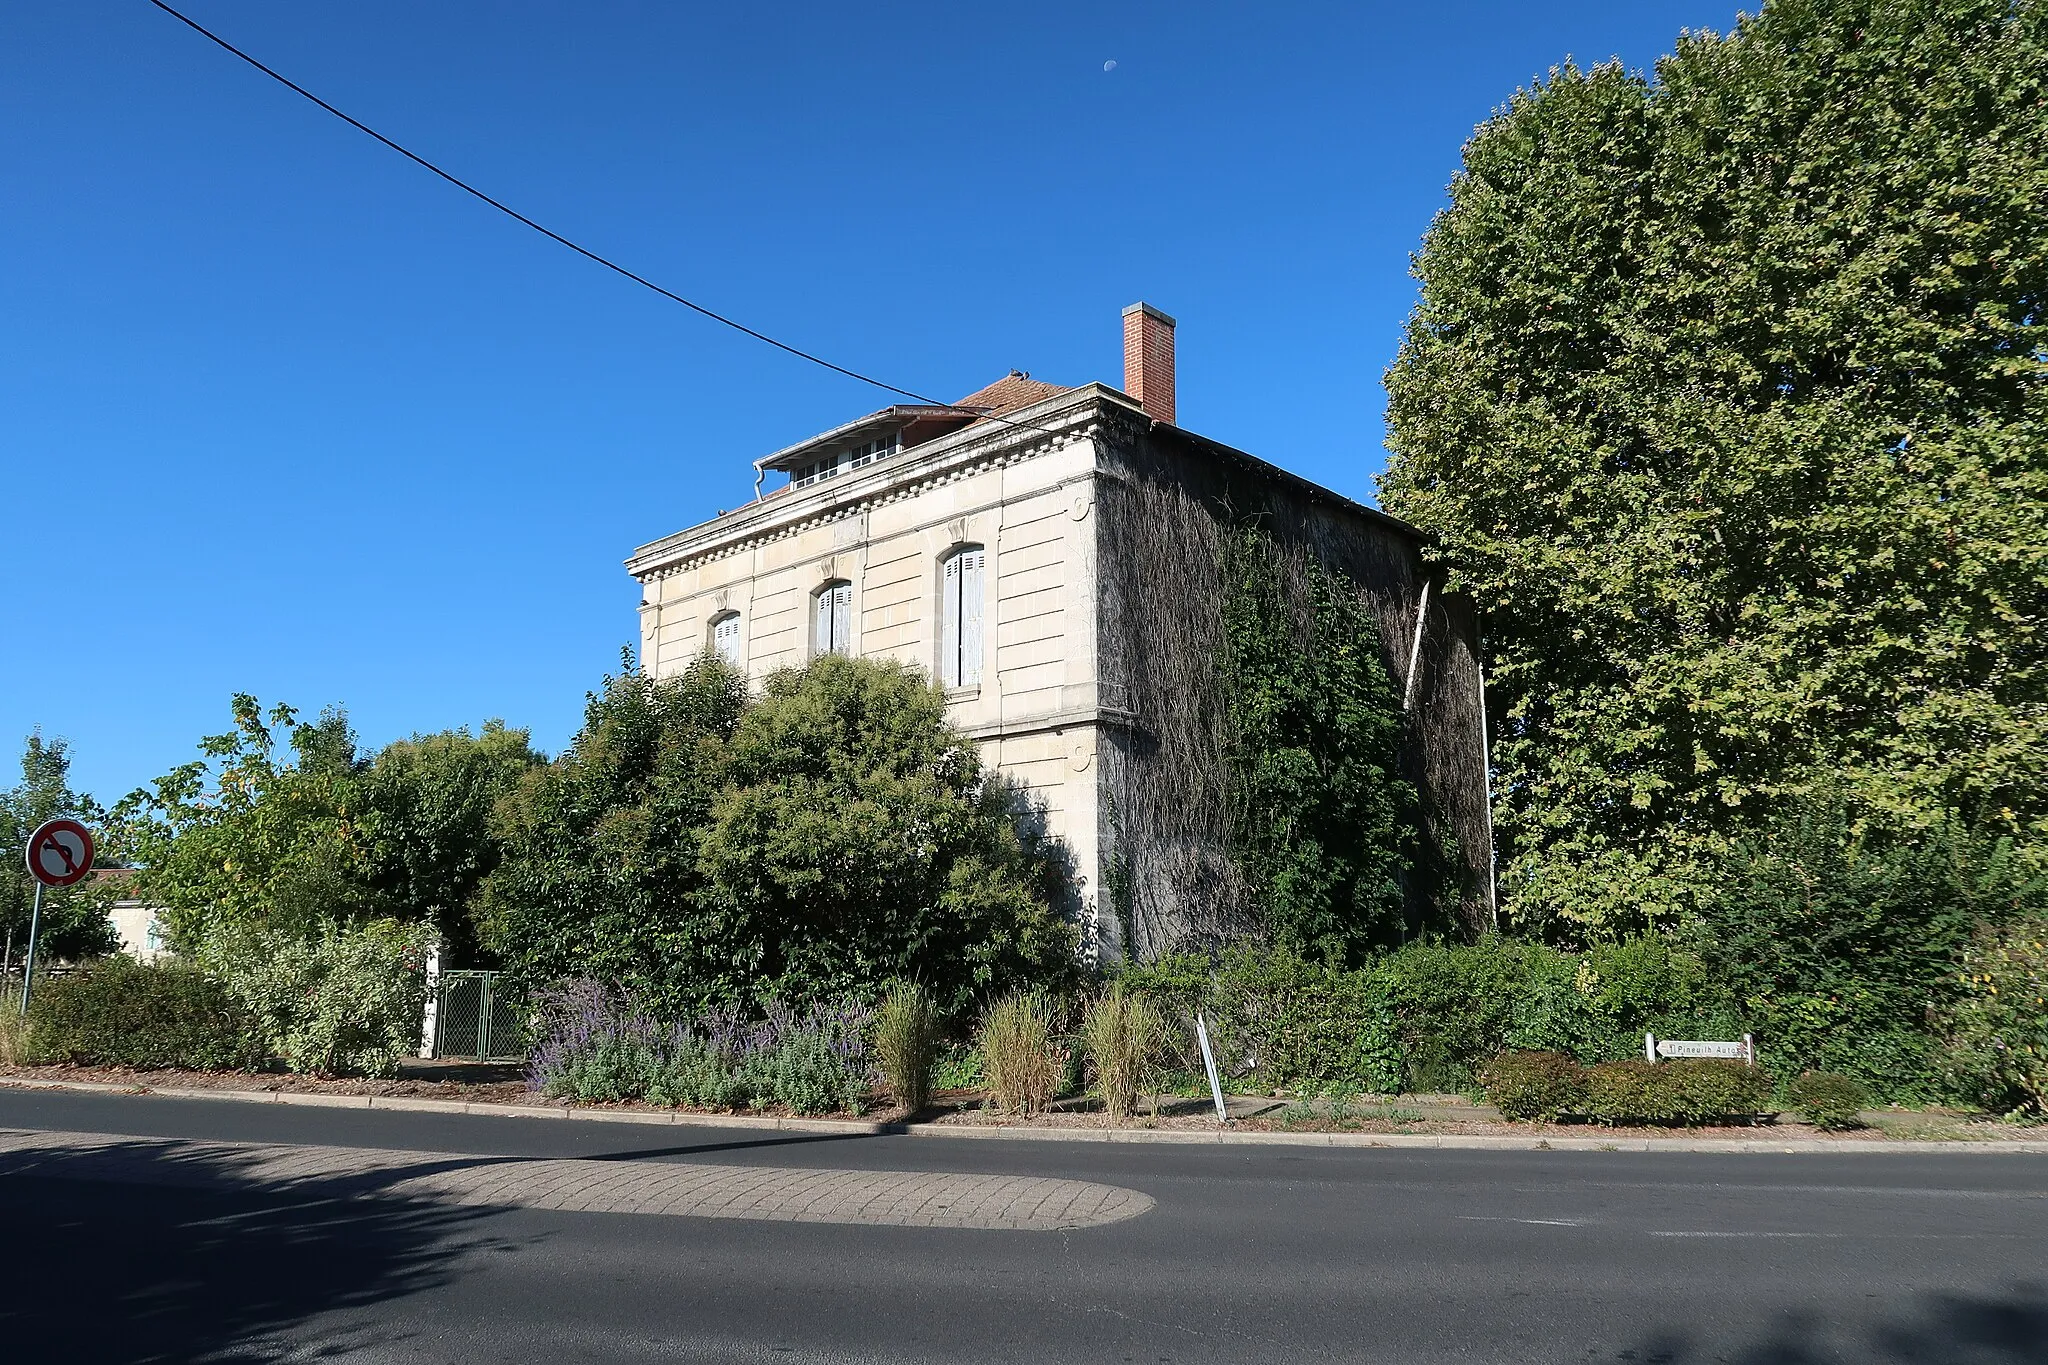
1051,556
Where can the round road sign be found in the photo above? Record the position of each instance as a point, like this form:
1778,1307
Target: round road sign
59,852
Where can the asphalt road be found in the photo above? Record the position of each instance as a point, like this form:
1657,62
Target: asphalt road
1249,1254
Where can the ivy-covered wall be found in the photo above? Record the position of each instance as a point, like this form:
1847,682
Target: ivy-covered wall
1266,781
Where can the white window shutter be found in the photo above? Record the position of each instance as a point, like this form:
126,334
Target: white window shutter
842,618
821,631
970,562
725,638
949,625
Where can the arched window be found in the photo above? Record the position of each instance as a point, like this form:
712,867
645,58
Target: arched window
960,617
725,637
832,617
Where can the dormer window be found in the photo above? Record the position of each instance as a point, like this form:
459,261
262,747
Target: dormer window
831,465
874,450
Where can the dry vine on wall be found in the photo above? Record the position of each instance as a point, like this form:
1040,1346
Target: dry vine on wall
1267,781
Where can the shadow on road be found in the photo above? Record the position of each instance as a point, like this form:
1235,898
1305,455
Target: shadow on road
136,1272
1930,1329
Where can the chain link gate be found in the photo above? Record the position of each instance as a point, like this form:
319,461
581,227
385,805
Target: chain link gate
473,1019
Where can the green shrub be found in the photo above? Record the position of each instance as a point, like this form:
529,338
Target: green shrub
1829,1102
1534,1085
1689,1090
1276,1017
1845,944
1633,1091
1706,1088
1024,1064
1999,1025
119,1012
344,1001
1428,1016
701,848
958,1067
906,1044
1123,1034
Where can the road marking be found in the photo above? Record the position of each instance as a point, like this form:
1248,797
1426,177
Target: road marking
765,1193
1856,1236
1533,1222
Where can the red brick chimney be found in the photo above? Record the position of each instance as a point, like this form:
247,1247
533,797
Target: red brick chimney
1148,360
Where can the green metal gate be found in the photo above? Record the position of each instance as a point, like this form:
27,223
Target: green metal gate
472,1018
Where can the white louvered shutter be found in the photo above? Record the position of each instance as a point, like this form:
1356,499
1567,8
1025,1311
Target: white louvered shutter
970,562
842,618
725,638
949,624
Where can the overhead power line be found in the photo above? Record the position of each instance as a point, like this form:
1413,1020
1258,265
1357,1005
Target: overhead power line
554,236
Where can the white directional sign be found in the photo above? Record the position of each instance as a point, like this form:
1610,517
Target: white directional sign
1655,1047
1672,1047
59,852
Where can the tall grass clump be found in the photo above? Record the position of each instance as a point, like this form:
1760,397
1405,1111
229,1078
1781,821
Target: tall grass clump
907,1044
1020,1057
1124,1034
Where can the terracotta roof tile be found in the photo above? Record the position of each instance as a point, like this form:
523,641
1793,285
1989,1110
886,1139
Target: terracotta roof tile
1014,390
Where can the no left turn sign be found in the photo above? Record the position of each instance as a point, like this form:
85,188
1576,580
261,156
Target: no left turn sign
59,852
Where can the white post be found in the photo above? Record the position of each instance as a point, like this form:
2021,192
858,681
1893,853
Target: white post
1415,648
430,1014
1749,1049
1650,1046
1209,1061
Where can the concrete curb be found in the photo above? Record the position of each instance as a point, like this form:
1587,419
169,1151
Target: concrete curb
1224,1137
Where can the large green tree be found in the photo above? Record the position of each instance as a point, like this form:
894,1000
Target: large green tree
1728,398
74,922
254,835
702,850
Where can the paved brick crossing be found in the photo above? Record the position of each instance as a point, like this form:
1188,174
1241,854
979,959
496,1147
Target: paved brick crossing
772,1193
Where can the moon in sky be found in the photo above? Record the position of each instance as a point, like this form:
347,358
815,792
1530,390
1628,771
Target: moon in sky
1109,66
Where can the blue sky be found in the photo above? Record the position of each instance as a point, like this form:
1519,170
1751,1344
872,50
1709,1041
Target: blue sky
281,413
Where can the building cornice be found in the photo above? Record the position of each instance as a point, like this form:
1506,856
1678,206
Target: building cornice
1047,425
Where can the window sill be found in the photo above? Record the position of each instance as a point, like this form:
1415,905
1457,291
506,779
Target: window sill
956,695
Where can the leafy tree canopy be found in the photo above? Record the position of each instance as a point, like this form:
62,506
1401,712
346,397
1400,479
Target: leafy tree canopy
1728,397
835,833
74,923
245,839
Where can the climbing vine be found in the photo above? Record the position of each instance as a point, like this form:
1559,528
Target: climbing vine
1323,823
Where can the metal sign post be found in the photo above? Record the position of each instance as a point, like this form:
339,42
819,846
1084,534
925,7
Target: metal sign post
1209,1062
59,854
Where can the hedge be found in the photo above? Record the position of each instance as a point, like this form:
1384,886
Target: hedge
119,1012
1429,1016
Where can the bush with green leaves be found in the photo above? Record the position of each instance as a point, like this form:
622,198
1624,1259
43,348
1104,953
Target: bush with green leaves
1998,1024
1828,1101
1533,1085
1690,1090
1724,402
120,1012
702,850
1842,946
1426,1017
343,1000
